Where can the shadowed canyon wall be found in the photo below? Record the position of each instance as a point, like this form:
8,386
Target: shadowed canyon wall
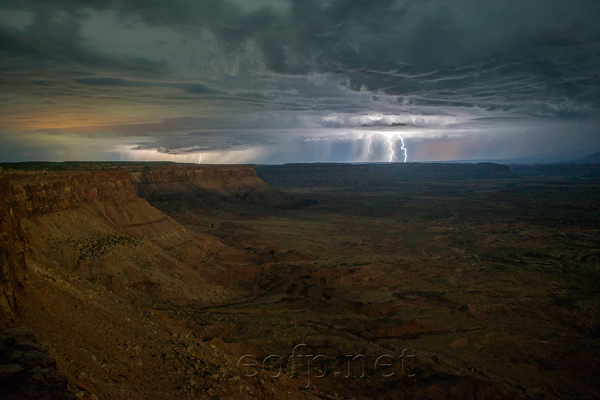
93,223
12,254
167,181
25,195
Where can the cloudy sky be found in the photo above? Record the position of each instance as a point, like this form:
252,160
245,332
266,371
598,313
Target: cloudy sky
274,81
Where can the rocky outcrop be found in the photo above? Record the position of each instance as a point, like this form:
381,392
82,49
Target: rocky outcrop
27,371
33,194
80,247
203,187
93,224
37,193
167,181
13,245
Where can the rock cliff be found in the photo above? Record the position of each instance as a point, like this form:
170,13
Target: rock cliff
38,193
93,224
82,259
204,189
160,182
13,246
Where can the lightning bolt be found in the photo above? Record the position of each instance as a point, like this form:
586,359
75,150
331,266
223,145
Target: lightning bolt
392,154
391,139
403,148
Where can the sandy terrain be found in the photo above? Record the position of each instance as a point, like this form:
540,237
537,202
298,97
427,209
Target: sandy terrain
426,289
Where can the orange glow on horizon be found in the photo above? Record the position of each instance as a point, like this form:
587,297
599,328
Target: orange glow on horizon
69,120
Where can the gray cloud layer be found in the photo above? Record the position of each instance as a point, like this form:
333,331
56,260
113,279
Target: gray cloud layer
134,61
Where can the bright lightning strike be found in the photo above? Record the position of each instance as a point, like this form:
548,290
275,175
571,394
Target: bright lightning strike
392,154
403,148
390,139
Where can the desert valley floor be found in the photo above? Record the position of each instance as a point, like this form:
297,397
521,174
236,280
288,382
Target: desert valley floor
181,282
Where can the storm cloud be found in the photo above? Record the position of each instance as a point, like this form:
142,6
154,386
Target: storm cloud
185,77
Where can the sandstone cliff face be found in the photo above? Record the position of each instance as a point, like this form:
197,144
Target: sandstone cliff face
92,224
204,189
81,255
26,195
168,181
38,193
12,254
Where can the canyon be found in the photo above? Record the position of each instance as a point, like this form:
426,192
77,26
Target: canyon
160,280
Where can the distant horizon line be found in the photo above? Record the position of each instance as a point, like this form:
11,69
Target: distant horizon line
482,161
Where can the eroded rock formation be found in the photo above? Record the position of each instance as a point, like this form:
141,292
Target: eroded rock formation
166,181
204,188
37,193
12,254
93,223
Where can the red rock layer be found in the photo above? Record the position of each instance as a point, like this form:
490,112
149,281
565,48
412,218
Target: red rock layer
186,180
38,193
12,254
94,224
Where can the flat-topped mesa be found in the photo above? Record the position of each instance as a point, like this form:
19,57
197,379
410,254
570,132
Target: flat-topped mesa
187,180
37,193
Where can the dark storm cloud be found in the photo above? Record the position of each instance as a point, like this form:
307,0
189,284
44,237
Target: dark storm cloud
52,40
468,51
196,88
515,59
